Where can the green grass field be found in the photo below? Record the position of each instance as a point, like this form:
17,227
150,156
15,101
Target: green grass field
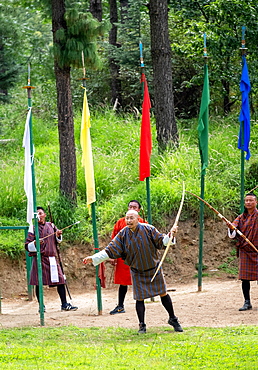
117,348
115,143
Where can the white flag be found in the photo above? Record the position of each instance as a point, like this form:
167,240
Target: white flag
27,169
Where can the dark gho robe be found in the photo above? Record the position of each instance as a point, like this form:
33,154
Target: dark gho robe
47,249
140,251
122,274
248,257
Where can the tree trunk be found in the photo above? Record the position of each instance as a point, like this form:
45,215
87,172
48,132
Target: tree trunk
65,112
167,134
124,5
96,9
115,82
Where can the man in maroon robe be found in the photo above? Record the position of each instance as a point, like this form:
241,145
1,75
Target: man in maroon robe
52,274
247,223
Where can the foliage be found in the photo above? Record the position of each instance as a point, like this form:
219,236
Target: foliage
118,348
115,143
222,21
133,26
25,38
230,266
12,240
9,34
79,36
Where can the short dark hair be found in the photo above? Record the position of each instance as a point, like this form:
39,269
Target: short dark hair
251,195
41,208
135,201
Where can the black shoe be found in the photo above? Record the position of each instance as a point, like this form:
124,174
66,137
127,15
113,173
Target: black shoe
142,328
247,306
68,307
174,322
118,309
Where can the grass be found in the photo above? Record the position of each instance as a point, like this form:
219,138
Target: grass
115,143
117,348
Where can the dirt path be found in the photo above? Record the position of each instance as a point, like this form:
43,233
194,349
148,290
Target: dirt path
215,306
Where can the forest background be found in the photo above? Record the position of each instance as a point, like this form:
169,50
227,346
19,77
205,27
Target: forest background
115,96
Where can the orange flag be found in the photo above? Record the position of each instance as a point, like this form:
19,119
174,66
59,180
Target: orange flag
145,139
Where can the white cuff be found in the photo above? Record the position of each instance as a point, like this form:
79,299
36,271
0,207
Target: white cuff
166,240
32,247
99,257
59,239
231,233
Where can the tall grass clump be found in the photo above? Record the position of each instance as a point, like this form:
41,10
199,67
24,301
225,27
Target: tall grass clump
115,144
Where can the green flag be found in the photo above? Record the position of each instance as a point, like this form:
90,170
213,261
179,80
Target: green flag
203,122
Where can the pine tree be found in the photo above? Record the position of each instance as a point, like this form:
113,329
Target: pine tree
74,31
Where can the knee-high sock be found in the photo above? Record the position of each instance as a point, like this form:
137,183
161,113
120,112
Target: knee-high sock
37,292
60,290
167,303
62,293
140,310
121,295
246,289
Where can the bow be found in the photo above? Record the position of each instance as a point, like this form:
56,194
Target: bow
47,236
250,191
232,226
172,233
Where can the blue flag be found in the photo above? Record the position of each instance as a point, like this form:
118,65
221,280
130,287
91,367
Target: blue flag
244,117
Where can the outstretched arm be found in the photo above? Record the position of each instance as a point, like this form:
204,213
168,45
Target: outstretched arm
96,258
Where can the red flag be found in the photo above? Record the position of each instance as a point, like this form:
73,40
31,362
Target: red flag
145,139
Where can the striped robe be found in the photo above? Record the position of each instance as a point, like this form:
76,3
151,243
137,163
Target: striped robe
248,257
47,249
139,250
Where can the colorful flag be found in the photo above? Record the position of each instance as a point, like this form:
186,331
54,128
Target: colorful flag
203,122
27,168
145,138
244,117
87,160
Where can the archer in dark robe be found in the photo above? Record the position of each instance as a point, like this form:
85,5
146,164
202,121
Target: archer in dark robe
247,223
52,274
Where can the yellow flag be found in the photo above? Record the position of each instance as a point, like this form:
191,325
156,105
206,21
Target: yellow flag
87,160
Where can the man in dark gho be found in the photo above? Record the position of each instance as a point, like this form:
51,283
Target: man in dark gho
122,274
51,271
138,245
247,223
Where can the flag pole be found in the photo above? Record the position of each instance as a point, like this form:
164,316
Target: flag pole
94,221
145,140
39,266
147,179
242,176
203,145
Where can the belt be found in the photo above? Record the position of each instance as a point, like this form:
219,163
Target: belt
135,270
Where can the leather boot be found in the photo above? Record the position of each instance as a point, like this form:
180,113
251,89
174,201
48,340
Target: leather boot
247,306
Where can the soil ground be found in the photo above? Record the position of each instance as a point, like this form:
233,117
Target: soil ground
216,305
